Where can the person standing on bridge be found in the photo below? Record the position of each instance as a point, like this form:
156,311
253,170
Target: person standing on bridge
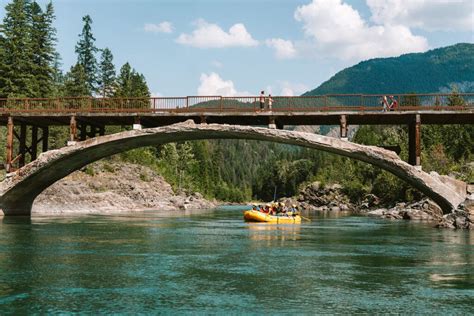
393,103
270,102
384,103
262,100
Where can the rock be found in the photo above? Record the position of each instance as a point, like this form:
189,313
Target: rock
377,213
416,215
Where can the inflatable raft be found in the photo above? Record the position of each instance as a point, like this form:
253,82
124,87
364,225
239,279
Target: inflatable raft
257,216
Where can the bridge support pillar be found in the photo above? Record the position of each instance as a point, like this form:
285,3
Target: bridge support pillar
343,127
136,123
45,138
102,130
22,148
72,131
9,153
271,123
414,141
34,143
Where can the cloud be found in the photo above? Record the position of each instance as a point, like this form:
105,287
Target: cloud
431,15
287,89
213,84
336,29
283,49
207,35
163,27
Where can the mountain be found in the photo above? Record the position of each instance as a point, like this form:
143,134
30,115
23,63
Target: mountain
434,71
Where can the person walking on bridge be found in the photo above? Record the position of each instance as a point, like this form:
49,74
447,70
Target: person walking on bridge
270,102
262,100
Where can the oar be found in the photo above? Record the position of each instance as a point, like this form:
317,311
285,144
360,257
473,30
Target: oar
309,220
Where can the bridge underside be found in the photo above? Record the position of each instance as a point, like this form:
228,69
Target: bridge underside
33,132
21,188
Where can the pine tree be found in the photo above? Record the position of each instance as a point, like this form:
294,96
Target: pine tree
17,67
86,50
43,38
131,84
75,83
107,76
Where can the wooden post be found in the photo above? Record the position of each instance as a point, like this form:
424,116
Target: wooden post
45,137
414,141
343,126
9,153
73,129
34,142
22,149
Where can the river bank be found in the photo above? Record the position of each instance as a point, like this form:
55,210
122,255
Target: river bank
317,197
106,187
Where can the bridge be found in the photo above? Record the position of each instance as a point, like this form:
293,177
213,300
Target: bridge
19,190
28,122
87,116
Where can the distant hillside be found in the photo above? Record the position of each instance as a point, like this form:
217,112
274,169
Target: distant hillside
433,71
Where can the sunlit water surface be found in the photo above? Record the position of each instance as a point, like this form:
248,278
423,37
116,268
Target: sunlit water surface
213,262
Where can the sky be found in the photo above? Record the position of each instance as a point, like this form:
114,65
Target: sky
240,47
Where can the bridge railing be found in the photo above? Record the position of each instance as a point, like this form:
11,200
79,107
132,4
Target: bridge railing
322,103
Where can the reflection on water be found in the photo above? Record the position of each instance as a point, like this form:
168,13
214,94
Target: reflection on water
212,261
268,231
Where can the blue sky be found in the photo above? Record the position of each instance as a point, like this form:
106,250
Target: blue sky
232,47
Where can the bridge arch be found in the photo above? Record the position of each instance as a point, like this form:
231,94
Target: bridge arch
19,189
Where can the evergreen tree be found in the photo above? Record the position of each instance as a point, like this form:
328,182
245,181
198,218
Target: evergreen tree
86,50
75,83
107,76
131,84
43,38
17,65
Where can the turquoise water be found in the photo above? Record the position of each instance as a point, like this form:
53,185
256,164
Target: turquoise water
213,262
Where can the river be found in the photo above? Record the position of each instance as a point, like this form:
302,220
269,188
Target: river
213,262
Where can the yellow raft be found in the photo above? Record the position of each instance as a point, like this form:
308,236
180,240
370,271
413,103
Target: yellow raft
257,216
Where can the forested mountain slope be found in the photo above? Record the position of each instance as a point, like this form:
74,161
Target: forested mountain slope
432,71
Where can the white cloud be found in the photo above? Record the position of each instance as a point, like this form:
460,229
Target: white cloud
163,27
338,30
292,89
207,35
283,49
431,15
213,84
287,89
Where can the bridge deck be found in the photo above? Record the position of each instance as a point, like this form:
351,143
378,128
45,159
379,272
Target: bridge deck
154,119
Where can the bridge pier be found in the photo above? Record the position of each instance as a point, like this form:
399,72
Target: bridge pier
343,127
414,141
24,146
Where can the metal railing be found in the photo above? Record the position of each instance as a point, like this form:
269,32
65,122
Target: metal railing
320,103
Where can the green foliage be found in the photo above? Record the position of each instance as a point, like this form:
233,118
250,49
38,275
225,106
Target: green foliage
131,84
435,70
107,79
86,50
75,82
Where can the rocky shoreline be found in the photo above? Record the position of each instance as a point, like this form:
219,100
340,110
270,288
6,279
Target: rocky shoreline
106,187
316,197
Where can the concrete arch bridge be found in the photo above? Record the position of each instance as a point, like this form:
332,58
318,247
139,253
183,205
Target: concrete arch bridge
19,190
